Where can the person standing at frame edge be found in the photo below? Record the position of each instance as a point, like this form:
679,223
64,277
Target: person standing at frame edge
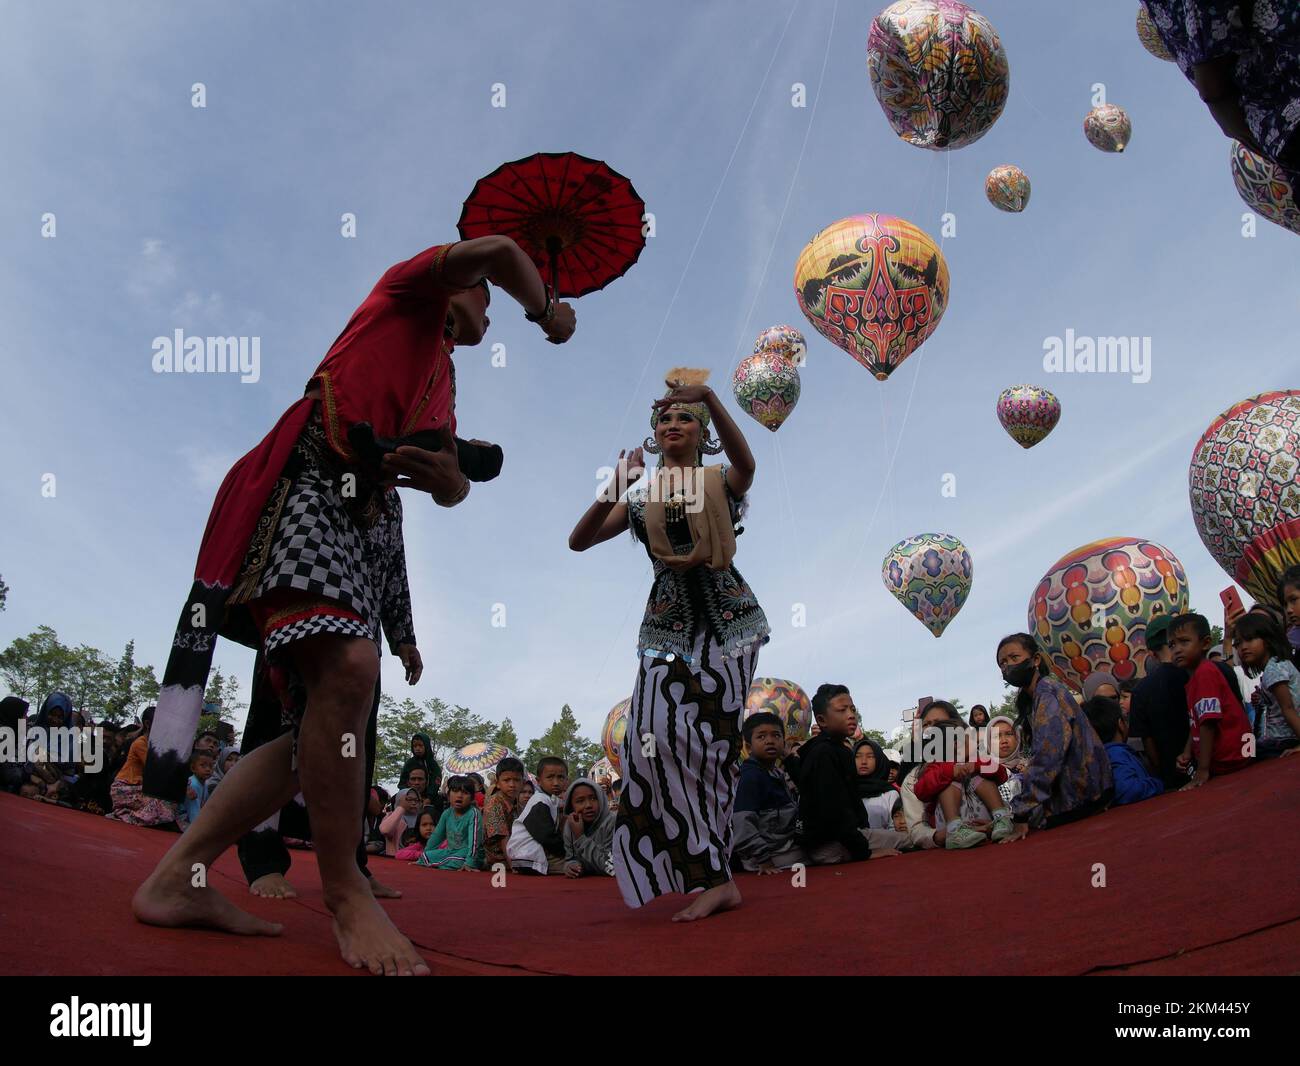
284,567
697,651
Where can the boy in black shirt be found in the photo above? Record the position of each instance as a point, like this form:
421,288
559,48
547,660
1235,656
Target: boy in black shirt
834,819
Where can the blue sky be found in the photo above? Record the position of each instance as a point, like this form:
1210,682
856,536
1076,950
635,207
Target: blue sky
226,221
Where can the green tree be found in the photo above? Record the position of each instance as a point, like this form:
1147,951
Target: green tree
4,593
33,666
877,736
506,736
133,687
223,693
563,739
89,681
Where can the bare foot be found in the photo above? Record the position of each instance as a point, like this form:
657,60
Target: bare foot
382,891
273,886
167,898
369,940
722,898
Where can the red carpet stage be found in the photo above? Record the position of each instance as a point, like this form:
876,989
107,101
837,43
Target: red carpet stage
1200,883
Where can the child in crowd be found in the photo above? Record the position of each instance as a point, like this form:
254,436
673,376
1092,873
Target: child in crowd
374,818
130,804
1218,721
1126,694
535,844
764,817
615,792
588,831
834,820
460,829
959,788
500,810
480,790
415,840
225,762
1133,782
874,789
1266,653
526,791
201,764
403,816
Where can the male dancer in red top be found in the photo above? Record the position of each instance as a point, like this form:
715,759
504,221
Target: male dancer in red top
299,527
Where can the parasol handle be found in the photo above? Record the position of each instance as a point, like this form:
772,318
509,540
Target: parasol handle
553,249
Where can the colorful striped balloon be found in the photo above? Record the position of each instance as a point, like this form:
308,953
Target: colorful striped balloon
477,758
784,699
1029,413
1090,611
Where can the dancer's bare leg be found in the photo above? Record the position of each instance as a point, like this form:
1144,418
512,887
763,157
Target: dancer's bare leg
710,901
179,891
340,675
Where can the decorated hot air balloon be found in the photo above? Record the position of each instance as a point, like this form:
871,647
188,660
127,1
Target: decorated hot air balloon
1245,489
1150,36
939,71
1007,188
615,732
1265,187
1091,610
477,758
1108,128
767,388
784,699
929,574
873,285
602,768
1028,413
785,341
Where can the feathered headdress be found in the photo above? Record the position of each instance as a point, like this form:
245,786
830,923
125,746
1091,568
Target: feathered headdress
675,378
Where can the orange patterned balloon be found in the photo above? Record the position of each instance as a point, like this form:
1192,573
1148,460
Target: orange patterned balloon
1091,610
613,736
873,285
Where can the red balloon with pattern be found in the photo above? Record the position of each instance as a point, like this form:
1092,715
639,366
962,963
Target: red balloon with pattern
875,286
1090,611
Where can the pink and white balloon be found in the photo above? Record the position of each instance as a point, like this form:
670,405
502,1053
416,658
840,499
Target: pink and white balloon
1108,128
1029,413
767,387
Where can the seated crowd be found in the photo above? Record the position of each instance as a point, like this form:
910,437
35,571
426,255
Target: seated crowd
836,797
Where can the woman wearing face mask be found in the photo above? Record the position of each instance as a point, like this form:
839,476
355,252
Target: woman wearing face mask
1068,775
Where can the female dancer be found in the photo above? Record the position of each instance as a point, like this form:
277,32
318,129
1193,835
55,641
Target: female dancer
697,651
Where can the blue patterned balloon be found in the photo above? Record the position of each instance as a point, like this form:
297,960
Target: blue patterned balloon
929,574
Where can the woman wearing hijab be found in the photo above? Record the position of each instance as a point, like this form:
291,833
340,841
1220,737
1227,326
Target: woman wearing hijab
877,794
422,756
12,711
696,651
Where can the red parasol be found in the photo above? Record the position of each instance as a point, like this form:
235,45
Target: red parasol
577,219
